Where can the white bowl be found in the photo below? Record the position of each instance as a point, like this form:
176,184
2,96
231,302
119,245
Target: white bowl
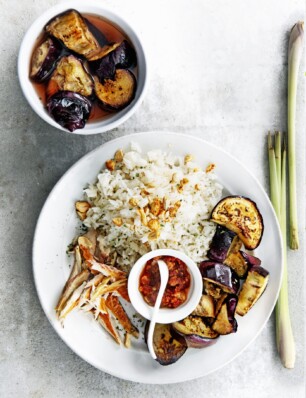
28,44
165,315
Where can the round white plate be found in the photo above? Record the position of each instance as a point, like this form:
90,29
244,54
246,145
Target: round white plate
57,225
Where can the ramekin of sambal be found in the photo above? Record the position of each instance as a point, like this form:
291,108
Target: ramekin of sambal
183,290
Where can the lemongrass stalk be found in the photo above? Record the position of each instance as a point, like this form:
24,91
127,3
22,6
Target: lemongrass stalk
294,59
274,188
278,156
284,336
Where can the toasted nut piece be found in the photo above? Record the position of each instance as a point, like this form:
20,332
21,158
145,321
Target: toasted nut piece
154,235
154,225
85,242
110,165
188,158
174,178
161,214
155,206
197,187
144,192
119,155
196,169
81,208
117,221
177,204
173,209
183,182
143,217
133,202
81,216
210,167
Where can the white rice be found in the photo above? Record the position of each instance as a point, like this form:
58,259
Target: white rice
160,175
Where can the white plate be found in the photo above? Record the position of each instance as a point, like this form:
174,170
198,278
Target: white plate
57,225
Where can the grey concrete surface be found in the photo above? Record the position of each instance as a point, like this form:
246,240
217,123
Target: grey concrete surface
218,71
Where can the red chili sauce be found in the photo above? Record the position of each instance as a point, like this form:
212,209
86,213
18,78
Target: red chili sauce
178,285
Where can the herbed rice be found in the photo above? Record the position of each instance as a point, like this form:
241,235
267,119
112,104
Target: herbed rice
150,201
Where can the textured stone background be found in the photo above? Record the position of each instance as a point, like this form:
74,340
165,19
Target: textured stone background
218,71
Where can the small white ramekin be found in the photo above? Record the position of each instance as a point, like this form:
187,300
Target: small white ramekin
166,315
30,39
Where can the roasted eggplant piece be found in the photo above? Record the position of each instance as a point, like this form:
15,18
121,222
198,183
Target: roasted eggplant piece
99,36
44,59
70,110
112,57
169,346
240,215
253,287
71,29
70,75
118,93
219,302
220,244
225,322
206,307
104,68
220,275
124,56
251,260
196,331
235,259
103,52
212,289
195,341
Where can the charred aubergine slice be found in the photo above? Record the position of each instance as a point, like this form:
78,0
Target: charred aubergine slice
44,59
70,110
253,287
71,29
168,345
118,56
70,75
118,93
220,244
225,322
240,215
206,307
235,259
220,275
196,331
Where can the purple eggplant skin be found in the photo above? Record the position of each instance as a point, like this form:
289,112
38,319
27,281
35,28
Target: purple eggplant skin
69,109
251,260
220,274
195,341
44,59
104,68
225,322
99,36
220,244
124,56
